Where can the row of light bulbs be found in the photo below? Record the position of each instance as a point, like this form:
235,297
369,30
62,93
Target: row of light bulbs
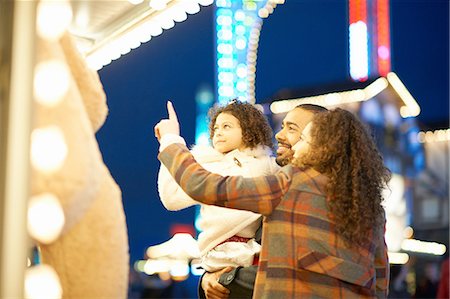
167,13
410,108
45,217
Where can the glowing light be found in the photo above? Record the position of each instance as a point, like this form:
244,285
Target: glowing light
241,43
226,77
41,281
376,87
263,13
51,82
205,2
156,266
333,99
413,108
179,270
158,4
135,2
192,7
196,267
224,48
153,25
180,246
435,136
423,247
241,70
225,34
359,68
408,232
399,258
48,149
224,20
239,15
241,86
139,265
383,52
45,217
225,62
226,91
53,18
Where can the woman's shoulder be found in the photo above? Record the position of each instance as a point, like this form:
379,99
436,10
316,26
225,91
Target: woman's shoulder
308,179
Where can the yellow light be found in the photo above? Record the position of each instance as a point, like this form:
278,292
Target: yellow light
48,149
410,102
156,266
51,82
408,232
433,248
179,270
53,18
263,13
45,218
41,281
398,258
158,4
139,265
434,136
375,87
421,137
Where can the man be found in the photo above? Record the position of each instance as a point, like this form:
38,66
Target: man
239,282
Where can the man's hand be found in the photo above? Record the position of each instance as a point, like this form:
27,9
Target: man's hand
168,126
211,286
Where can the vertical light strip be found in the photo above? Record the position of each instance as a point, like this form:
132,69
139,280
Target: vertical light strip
238,24
383,38
358,40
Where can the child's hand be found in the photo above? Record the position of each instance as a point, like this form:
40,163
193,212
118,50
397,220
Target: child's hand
168,126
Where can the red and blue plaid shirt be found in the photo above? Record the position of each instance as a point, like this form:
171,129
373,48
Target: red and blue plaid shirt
302,255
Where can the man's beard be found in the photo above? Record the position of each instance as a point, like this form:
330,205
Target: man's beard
285,158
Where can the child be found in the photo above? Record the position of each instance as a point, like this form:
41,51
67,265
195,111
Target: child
242,142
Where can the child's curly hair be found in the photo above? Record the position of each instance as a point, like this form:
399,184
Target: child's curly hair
342,149
255,127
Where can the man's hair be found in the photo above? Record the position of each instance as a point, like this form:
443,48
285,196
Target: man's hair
312,108
255,127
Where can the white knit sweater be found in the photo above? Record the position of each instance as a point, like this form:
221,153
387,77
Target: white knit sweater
217,223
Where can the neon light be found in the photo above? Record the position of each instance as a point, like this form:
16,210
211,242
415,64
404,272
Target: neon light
359,68
358,40
383,38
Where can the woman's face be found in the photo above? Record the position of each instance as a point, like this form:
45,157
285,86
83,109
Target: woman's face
304,142
227,133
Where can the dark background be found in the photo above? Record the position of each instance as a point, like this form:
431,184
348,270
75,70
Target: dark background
303,43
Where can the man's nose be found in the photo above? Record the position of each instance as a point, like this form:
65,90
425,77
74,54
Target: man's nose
279,135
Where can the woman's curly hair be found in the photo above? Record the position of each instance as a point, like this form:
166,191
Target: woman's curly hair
255,127
342,149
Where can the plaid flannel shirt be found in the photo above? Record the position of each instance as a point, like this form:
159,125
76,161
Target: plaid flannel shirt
302,255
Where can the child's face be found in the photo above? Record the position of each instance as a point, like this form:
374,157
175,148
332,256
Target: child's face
227,133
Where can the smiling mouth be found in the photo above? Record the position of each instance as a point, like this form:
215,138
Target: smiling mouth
282,147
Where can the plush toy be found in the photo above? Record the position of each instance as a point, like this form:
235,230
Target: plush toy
91,254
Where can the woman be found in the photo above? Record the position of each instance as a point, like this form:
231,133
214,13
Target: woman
323,234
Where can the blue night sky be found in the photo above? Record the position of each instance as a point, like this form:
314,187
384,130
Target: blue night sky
303,43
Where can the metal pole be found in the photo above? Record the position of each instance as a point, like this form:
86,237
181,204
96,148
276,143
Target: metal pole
14,242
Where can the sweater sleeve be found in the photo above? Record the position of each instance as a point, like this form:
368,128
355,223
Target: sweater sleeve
259,194
172,196
382,269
